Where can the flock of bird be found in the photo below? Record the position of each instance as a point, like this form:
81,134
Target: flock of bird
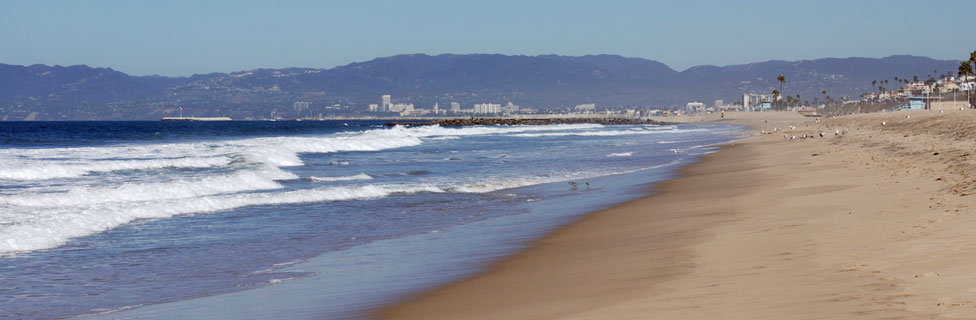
837,132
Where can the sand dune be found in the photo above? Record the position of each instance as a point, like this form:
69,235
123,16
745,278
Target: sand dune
874,222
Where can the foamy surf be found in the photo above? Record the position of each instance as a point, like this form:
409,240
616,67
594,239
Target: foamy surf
235,173
361,176
621,154
166,220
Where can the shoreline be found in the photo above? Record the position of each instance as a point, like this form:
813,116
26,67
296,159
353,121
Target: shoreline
441,302
768,227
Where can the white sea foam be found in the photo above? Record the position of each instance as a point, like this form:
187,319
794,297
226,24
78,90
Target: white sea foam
48,212
361,176
50,228
12,169
180,189
621,154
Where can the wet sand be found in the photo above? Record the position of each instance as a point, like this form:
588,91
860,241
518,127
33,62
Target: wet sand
874,222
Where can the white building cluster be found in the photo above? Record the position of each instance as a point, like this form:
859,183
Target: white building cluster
489,108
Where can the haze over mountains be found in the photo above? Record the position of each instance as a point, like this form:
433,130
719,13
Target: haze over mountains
41,92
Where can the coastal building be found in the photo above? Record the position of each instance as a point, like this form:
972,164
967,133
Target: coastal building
719,103
490,108
808,112
386,102
695,107
401,107
510,107
373,107
756,102
455,107
921,102
585,108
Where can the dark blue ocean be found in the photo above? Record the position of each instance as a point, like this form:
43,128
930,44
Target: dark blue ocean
315,219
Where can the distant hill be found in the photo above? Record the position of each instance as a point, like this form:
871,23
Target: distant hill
547,81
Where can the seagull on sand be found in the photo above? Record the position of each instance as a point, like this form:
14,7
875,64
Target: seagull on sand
836,132
883,123
908,117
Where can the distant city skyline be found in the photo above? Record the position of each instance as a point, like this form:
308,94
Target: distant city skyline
181,38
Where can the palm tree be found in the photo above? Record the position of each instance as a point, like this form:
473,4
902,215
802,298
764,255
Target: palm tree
782,79
965,68
972,58
914,78
874,82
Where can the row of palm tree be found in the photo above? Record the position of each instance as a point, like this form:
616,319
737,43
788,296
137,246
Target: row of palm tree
791,101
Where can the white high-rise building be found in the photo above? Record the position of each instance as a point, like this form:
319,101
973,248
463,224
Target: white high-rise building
386,102
488,108
455,107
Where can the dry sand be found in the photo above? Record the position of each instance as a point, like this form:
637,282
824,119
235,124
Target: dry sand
876,222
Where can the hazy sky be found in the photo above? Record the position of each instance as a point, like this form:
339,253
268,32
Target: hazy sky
177,38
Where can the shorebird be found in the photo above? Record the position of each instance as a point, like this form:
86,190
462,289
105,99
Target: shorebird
574,184
883,123
793,138
822,134
908,117
836,132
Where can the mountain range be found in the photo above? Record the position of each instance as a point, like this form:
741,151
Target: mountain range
41,92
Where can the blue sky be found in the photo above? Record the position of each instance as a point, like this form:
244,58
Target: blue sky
178,38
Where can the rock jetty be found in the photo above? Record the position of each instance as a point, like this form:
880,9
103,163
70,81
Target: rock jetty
517,121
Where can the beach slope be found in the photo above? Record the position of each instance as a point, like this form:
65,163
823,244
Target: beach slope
867,220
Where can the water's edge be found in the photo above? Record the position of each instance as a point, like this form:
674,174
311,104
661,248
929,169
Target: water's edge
444,263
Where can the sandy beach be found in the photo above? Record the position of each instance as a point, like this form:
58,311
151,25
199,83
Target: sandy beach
868,221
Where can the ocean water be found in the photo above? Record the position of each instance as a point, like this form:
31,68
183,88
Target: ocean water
316,219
